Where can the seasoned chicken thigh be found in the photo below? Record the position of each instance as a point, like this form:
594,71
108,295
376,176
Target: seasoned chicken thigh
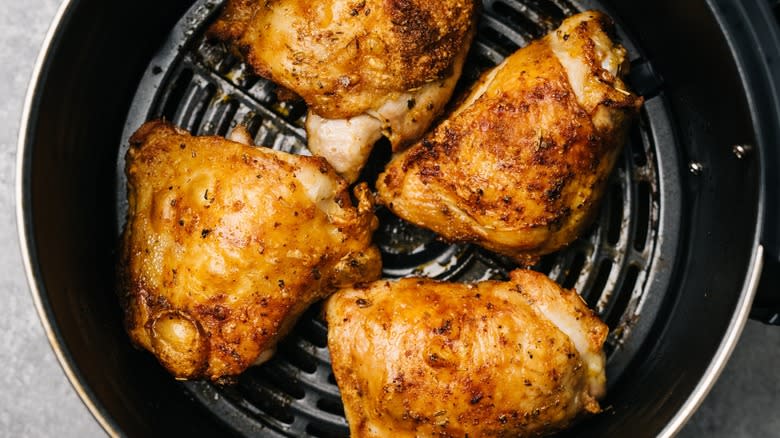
226,245
417,357
366,68
520,165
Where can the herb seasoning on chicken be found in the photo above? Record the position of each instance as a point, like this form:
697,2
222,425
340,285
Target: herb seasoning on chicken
366,68
520,165
226,245
418,357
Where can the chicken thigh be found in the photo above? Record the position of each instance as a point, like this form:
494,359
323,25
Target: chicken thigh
520,165
226,245
365,68
418,357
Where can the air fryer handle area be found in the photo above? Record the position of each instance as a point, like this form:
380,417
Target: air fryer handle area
757,49
766,306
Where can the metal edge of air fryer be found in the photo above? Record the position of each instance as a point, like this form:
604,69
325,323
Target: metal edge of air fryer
726,347
755,72
152,91
27,245
24,223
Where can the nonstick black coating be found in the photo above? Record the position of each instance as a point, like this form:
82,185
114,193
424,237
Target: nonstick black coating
616,265
95,62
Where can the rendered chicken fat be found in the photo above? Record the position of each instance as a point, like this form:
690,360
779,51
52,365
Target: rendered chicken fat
417,357
226,245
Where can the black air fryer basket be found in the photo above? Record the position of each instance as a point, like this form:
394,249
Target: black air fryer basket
671,264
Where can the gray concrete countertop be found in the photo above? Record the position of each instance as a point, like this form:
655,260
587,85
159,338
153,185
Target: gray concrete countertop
36,399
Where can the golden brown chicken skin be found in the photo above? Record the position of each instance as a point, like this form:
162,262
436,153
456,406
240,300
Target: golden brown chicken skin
417,357
520,165
366,68
226,245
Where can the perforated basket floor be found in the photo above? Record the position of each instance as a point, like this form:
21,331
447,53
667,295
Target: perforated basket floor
618,266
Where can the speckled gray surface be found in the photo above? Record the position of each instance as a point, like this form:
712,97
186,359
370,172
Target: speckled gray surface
745,402
36,399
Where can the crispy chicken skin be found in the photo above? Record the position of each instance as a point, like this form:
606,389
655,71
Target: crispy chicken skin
417,357
226,245
366,68
520,165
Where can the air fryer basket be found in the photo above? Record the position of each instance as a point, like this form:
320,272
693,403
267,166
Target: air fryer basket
617,266
672,263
